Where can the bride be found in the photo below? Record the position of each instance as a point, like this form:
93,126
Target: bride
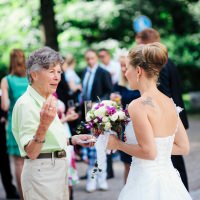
156,134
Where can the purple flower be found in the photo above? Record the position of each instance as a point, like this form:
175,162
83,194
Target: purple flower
99,119
111,110
126,112
89,125
98,106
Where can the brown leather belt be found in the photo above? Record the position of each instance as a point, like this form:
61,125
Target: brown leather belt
55,154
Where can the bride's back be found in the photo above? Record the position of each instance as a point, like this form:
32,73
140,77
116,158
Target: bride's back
162,115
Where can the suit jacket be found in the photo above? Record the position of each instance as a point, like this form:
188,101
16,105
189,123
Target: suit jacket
102,84
63,90
170,85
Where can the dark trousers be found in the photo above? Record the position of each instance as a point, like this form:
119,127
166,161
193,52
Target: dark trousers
179,164
5,170
110,173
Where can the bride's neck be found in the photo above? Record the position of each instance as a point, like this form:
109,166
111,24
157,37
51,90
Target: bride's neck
148,87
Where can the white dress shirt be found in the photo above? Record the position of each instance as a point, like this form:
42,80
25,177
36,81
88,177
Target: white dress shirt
89,79
114,69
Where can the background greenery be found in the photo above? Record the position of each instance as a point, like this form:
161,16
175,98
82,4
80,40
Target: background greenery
81,24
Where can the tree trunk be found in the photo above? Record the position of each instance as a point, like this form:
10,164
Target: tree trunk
49,23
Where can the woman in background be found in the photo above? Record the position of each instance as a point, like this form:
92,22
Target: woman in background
13,86
123,92
70,115
71,76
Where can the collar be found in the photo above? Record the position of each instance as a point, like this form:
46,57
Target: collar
93,70
38,98
104,65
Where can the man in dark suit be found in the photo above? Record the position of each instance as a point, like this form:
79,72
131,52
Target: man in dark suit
97,83
169,84
96,80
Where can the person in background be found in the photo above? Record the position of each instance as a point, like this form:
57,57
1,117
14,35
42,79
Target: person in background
71,76
63,90
69,89
123,92
5,170
97,83
71,115
169,84
113,67
13,86
38,131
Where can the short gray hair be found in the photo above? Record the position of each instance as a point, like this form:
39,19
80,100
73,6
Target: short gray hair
43,58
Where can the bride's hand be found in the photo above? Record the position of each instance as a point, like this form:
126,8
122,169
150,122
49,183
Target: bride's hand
113,142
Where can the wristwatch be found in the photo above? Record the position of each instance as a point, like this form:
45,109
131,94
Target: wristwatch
70,141
37,140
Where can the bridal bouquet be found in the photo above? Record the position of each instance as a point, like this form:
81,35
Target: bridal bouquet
105,118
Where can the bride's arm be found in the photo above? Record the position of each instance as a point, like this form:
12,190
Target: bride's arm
181,143
146,147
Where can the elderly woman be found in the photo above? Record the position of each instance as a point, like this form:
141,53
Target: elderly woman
39,133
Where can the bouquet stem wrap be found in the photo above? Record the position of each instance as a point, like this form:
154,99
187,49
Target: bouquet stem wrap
101,149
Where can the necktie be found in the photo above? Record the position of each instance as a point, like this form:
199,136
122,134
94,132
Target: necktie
86,91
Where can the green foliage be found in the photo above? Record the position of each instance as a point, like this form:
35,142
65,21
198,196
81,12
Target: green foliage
19,27
84,24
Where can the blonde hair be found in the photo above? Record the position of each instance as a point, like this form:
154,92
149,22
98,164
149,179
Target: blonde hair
70,60
123,81
151,57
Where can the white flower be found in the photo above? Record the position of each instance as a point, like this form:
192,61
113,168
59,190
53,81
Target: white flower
109,103
88,117
96,120
100,112
121,115
114,117
105,119
94,105
107,126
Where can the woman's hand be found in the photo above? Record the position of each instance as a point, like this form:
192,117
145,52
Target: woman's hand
116,97
113,142
71,116
48,112
84,140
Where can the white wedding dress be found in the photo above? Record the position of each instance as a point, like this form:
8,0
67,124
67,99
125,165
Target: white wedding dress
153,179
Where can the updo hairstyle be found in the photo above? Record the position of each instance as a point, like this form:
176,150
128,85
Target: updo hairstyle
151,57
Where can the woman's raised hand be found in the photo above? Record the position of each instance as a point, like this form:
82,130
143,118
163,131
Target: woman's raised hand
48,111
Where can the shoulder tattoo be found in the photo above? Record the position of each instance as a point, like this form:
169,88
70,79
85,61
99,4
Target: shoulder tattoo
148,101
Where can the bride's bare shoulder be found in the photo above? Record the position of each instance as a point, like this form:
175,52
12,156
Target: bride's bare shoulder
140,104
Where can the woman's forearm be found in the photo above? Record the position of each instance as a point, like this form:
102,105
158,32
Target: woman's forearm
180,150
5,102
33,148
138,151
